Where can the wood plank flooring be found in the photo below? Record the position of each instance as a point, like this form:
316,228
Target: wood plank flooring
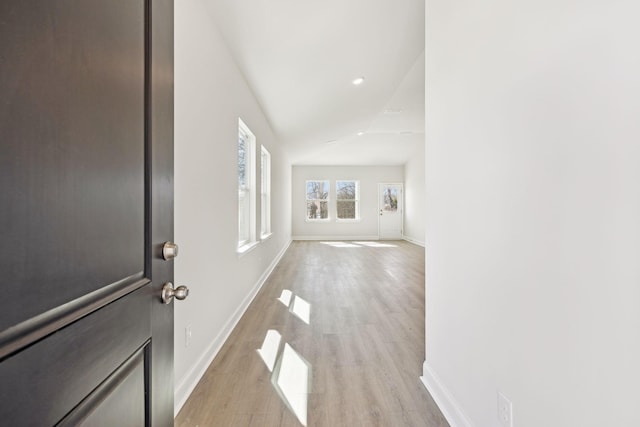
350,351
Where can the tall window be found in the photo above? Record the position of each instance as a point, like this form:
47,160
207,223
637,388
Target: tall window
265,192
347,199
246,185
317,200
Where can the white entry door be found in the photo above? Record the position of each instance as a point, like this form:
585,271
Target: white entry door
390,211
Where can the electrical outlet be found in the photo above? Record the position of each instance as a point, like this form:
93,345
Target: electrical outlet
505,411
187,335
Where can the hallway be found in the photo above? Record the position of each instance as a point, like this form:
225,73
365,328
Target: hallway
334,338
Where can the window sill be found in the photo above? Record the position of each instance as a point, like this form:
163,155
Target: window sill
348,220
247,248
266,236
318,220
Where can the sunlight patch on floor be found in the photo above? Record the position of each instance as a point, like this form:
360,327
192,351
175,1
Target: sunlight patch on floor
341,244
290,372
359,244
269,349
285,297
302,309
377,244
292,380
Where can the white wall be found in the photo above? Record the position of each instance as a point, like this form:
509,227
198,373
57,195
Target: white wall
533,214
210,95
369,177
414,205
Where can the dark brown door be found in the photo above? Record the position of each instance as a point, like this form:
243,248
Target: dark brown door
86,202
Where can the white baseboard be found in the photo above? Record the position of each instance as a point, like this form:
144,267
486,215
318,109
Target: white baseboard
186,386
448,405
332,238
415,242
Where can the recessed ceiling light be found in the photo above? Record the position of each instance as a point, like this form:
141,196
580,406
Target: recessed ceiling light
392,111
360,133
358,81
333,141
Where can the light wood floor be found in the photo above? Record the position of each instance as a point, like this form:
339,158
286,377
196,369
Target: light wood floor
361,351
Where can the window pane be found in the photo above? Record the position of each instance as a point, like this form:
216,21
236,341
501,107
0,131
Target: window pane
324,210
246,185
346,210
346,190
265,213
243,217
347,199
317,200
317,190
313,210
317,210
242,161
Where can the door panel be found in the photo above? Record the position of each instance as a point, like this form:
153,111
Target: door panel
86,201
62,369
73,150
118,401
390,211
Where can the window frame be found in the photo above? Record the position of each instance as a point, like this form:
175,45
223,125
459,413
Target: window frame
356,201
307,200
246,192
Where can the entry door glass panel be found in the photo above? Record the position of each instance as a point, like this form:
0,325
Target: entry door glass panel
390,198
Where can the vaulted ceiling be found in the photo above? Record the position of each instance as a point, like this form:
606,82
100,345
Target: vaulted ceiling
300,58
